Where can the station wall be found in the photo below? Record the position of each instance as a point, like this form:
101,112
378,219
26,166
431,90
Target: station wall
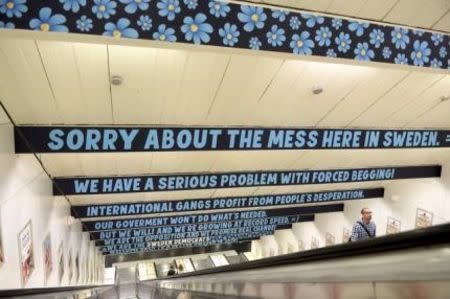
26,198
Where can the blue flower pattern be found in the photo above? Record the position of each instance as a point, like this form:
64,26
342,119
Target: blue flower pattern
295,23
418,32
255,43
120,29
13,8
358,27
218,9
363,52
279,14
145,22
336,23
84,24
401,59
387,52
331,53
252,16
191,4
301,44
343,42
73,5
377,37
230,34
323,36
276,36
133,5
165,34
442,52
222,23
168,8
49,22
8,25
420,54
400,37
312,20
436,63
196,29
437,38
103,9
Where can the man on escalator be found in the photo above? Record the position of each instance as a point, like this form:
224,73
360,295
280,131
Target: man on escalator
365,228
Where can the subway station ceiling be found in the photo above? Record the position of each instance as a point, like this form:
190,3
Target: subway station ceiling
67,80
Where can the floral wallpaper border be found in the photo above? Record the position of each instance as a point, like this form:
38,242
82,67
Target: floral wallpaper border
223,24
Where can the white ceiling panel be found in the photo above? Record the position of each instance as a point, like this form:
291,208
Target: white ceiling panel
319,5
24,87
422,105
443,23
420,13
410,87
438,117
181,87
79,79
375,10
302,107
202,77
150,78
290,93
346,7
379,82
244,82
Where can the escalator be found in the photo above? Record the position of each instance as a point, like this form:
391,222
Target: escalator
414,264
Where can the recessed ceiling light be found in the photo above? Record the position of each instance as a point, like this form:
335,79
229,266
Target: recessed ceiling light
317,89
116,80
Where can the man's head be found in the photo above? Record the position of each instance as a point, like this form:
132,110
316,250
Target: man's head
366,215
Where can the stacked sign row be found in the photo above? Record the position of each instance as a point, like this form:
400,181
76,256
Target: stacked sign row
184,223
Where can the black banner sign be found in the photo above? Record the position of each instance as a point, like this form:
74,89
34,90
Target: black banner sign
162,232
251,217
100,185
175,244
155,207
256,230
138,139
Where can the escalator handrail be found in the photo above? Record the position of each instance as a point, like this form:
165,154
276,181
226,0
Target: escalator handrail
431,236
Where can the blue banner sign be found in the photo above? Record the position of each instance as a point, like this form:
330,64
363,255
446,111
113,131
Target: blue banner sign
103,185
175,244
161,232
252,218
256,230
155,207
139,139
